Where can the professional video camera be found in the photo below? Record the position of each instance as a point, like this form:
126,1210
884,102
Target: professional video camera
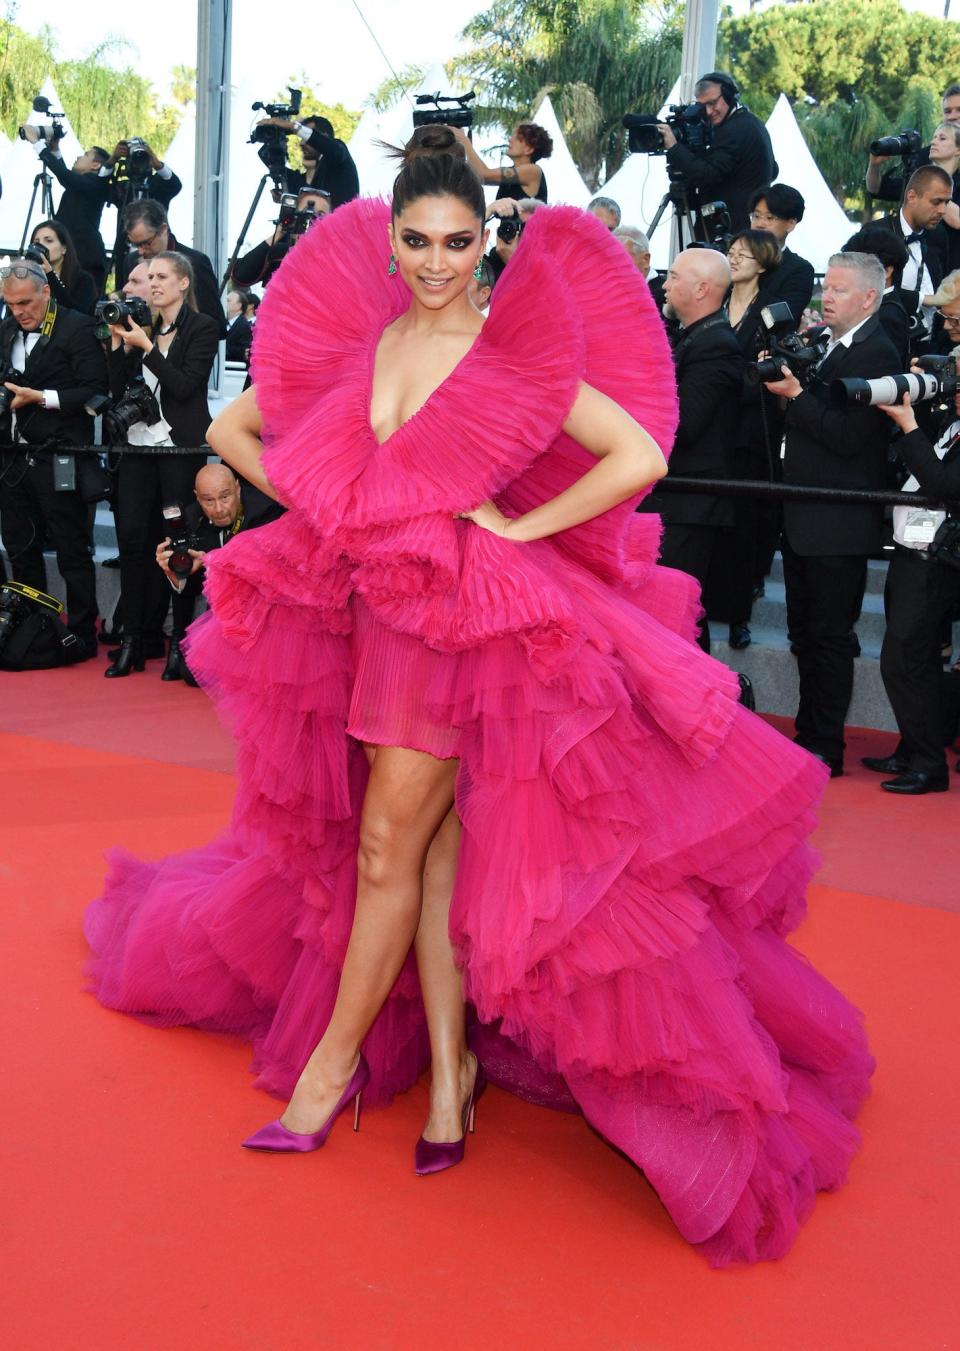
937,379
292,222
182,540
54,132
791,352
273,140
688,122
905,143
460,116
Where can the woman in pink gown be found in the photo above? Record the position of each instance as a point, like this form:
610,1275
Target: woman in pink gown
433,691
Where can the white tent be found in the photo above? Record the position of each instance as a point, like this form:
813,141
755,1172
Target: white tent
825,225
394,126
564,183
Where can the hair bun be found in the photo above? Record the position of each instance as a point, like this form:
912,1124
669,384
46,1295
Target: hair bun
433,139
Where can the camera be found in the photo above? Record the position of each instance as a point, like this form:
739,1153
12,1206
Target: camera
688,122
54,132
273,140
510,228
6,397
790,352
17,602
119,311
459,116
182,541
906,142
291,221
937,379
37,253
137,403
137,159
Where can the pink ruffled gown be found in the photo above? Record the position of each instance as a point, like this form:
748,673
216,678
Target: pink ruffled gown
633,845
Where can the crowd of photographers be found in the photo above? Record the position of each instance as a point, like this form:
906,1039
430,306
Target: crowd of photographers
769,389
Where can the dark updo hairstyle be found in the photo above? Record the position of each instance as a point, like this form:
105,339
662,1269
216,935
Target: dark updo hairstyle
435,165
537,138
762,245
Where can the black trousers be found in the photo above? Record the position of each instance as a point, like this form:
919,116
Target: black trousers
29,510
145,484
824,596
690,549
920,593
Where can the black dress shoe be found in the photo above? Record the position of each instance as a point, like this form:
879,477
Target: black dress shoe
836,766
130,659
884,764
913,782
175,663
740,636
153,646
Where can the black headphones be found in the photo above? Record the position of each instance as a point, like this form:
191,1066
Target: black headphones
728,85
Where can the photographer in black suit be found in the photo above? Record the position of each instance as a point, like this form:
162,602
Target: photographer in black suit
709,379
888,184
826,545
58,367
174,360
327,162
258,265
148,234
918,224
921,592
160,184
779,209
86,191
223,507
737,162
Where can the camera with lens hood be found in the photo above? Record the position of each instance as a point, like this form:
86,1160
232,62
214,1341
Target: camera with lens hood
936,381
791,352
905,143
687,121
294,221
54,132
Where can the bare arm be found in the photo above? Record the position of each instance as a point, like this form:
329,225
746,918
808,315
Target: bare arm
528,175
235,436
628,460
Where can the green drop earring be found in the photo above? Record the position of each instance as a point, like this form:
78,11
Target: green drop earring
478,270
392,268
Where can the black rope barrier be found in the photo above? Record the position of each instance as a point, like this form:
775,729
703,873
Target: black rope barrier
800,492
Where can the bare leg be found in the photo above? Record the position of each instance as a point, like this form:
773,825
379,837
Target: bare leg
408,795
453,1066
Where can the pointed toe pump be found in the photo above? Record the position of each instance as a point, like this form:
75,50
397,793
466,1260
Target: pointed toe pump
275,1138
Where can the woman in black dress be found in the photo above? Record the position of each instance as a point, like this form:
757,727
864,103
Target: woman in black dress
528,144
69,285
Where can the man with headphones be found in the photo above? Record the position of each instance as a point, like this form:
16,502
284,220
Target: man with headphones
739,158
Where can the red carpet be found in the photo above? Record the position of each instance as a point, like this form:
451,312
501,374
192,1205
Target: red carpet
132,1219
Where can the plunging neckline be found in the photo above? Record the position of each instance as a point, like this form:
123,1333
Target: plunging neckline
371,371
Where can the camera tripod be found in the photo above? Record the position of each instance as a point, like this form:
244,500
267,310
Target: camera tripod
246,226
43,184
683,221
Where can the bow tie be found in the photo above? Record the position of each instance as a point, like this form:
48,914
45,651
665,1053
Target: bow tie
916,238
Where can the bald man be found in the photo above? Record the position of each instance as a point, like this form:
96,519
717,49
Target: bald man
224,506
709,382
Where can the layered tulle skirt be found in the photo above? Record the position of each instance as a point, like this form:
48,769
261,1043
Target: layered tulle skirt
633,855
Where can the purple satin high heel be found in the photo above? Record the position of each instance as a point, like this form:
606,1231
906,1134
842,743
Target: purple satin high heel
275,1138
431,1156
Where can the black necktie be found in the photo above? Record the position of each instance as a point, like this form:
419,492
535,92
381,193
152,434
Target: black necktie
915,238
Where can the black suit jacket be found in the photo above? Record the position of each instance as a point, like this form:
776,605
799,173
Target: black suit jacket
791,282
896,321
934,246
839,448
709,380
937,478
336,172
207,287
738,161
182,374
69,361
239,338
258,509
80,209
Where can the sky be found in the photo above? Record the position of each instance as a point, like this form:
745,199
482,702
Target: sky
327,39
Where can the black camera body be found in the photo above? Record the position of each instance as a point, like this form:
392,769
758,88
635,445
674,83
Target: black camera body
54,132
137,403
458,115
37,253
6,398
294,222
510,228
905,143
687,121
182,540
273,140
791,352
137,159
119,311
937,382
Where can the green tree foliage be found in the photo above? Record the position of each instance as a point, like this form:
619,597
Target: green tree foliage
343,120
597,59
103,103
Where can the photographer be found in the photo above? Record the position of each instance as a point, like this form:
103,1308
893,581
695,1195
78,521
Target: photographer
826,545
918,224
895,314
86,191
53,366
779,209
174,360
512,217
148,233
739,158
223,508
259,264
921,593
523,178
135,173
70,285
709,379
888,186
327,162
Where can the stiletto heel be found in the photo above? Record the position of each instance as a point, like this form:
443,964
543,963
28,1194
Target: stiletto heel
430,1156
276,1138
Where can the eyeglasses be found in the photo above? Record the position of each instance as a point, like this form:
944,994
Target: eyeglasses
710,104
21,271
740,256
763,216
951,319
142,243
